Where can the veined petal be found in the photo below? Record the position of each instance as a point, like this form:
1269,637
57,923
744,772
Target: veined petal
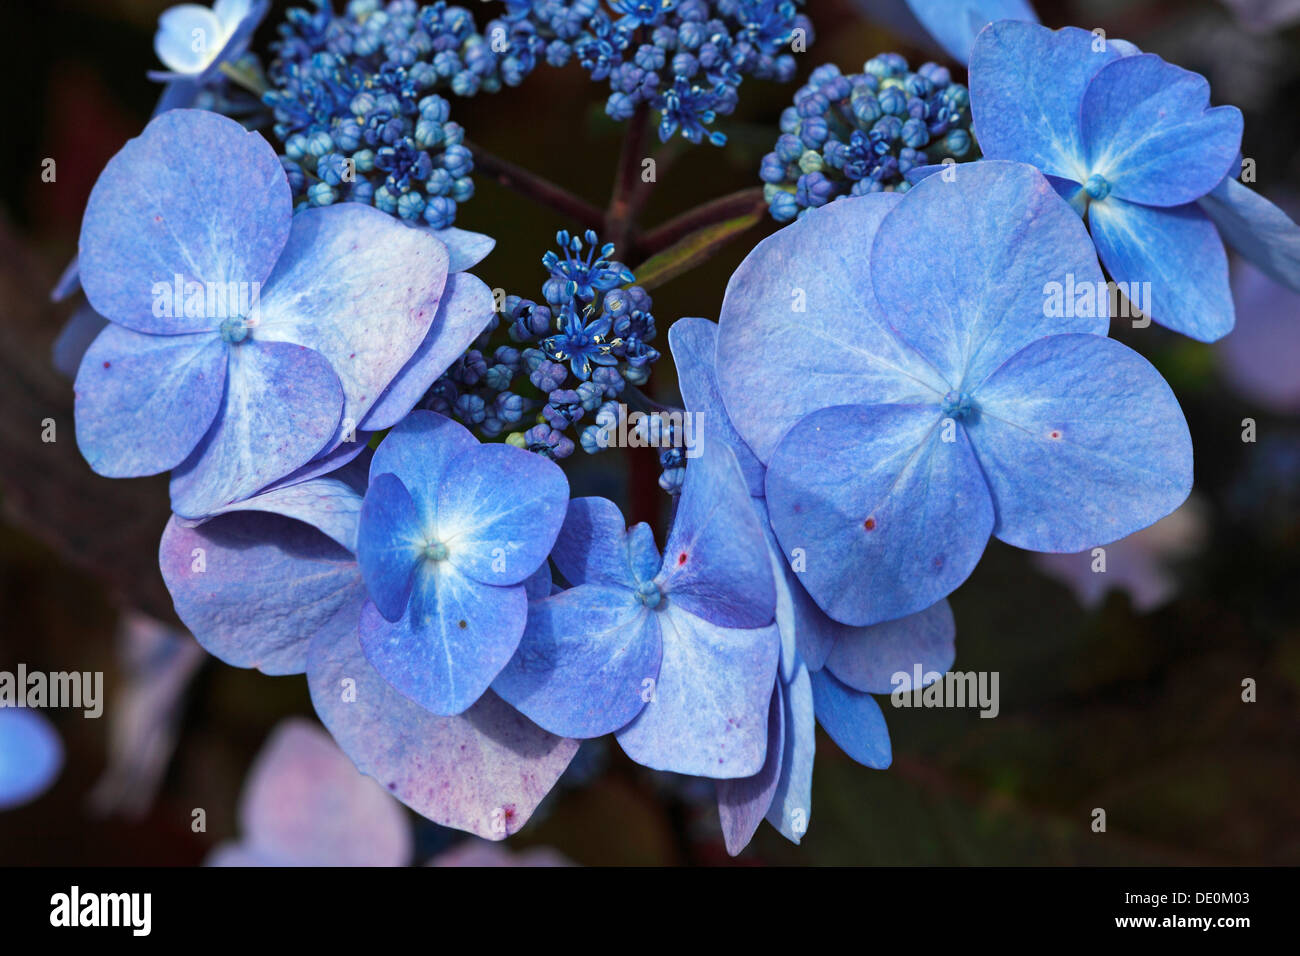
867,658
791,809
418,451
743,802
390,545
592,546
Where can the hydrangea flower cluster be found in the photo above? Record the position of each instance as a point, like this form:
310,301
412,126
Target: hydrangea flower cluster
685,59
354,104
859,134
561,362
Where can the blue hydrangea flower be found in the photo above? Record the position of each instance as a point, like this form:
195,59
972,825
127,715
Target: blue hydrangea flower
675,653
828,671
952,24
905,414
193,41
274,583
31,756
450,530
1133,144
243,341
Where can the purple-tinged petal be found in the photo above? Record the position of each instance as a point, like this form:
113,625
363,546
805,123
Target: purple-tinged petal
330,463
280,409
867,658
418,451
1259,230
368,310
499,510
694,343
1081,442
329,505
592,546
807,634
1260,358
791,809
143,402
743,802
253,588
69,282
163,208
889,515
455,637
484,771
75,338
707,716
853,720
305,804
31,756
390,545
465,249
1173,258
716,564
582,667
1026,86
463,312
1149,131
984,291
954,26
803,294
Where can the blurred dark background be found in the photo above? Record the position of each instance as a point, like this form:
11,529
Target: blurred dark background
1114,706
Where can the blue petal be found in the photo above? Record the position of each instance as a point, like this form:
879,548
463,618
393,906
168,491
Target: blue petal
162,208
708,715
31,756
776,364
642,552
143,402
716,564
189,36
694,343
1149,131
1026,87
75,337
592,546
369,311
743,802
954,26
1082,443
455,637
1257,229
465,249
280,409
390,544
254,588
484,771
983,291
351,458
853,720
1176,254
329,505
499,510
791,809
463,312
807,634
890,516
418,451
867,658
583,664
1260,357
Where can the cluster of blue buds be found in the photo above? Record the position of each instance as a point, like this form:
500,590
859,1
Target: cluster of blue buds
685,58
851,135
355,104
542,369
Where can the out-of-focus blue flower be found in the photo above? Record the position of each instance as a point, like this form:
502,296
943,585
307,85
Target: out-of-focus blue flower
675,653
852,135
952,24
193,41
903,420
304,804
449,531
274,583
31,756
1132,142
243,341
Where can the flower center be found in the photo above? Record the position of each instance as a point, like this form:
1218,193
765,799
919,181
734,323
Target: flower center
648,593
234,330
1096,187
957,404
435,551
